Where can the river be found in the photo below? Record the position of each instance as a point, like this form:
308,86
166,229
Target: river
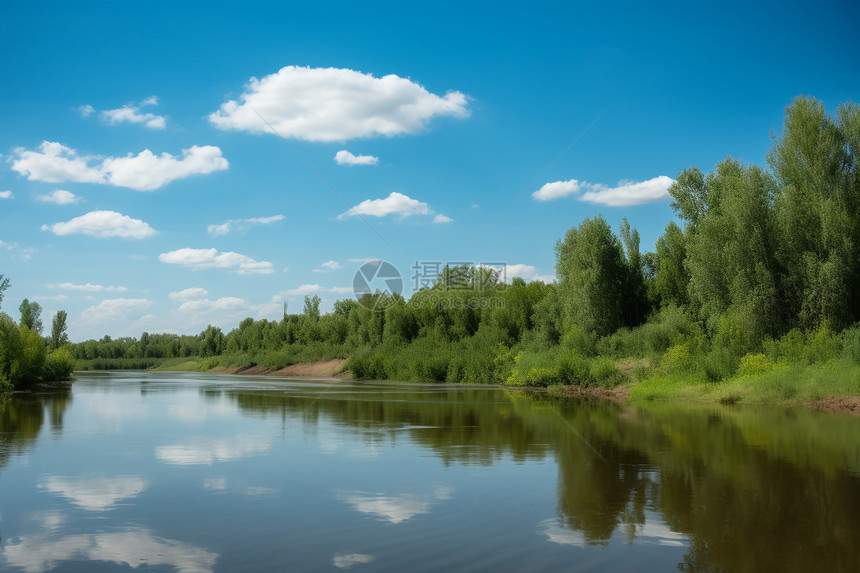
200,473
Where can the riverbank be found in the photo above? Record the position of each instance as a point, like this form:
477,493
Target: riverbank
833,386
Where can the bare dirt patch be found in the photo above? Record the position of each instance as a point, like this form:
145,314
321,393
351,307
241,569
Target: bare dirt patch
324,369
618,394
838,405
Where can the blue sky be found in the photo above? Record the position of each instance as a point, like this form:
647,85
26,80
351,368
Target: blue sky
140,190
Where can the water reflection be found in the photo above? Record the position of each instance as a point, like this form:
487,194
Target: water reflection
393,508
132,547
347,561
95,493
206,451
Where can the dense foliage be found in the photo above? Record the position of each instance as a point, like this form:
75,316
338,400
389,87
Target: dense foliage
763,272
25,357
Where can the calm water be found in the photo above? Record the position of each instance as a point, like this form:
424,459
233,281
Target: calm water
199,473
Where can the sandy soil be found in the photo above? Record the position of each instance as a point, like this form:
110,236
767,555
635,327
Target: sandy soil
837,405
619,394
321,369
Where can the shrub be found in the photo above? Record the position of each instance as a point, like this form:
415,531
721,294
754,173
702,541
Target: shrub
59,365
755,364
851,344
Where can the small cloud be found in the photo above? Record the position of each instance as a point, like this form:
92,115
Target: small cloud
60,197
328,266
7,195
103,224
189,294
211,259
344,157
307,289
396,204
223,303
625,194
526,272
241,224
331,104
440,218
132,114
89,287
54,298
86,110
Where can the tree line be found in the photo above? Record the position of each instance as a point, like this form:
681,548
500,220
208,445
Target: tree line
761,270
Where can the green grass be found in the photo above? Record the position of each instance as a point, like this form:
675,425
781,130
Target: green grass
791,385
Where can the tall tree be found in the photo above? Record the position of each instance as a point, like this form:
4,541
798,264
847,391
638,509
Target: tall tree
672,278
592,272
31,313
58,330
4,284
635,295
312,307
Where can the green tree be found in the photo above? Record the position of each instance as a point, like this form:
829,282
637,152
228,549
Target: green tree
58,330
592,273
4,284
312,307
31,313
671,278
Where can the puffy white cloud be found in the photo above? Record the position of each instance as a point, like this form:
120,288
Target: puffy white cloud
95,493
396,204
346,561
89,287
147,171
115,309
60,197
628,193
7,195
556,190
56,163
328,266
344,157
332,104
625,194
241,224
103,224
86,110
132,114
192,293
212,259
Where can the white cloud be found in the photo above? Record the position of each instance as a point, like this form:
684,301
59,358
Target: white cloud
95,493
223,303
310,289
625,194
129,547
328,266
526,272
86,110
203,451
192,293
628,193
114,309
396,204
56,163
344,157
132,114
556,190
346,561
7,195
89,287
395,508
241,224
60,197
103,224
212,259
331,104
147,171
